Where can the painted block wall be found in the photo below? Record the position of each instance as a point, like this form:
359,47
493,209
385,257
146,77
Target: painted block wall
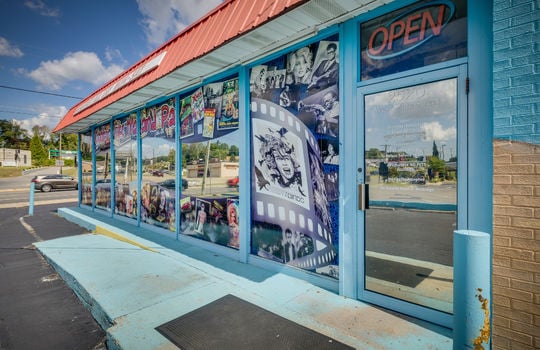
516,189
516,70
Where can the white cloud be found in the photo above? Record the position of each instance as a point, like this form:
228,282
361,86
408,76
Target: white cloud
46,115
7,49
80,65
42,8
434,131
163,19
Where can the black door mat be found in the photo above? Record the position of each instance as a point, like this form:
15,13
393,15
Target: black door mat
233,323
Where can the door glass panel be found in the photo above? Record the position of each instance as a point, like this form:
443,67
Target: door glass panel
410,163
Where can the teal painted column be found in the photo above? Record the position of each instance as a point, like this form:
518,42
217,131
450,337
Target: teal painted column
31,199
472,289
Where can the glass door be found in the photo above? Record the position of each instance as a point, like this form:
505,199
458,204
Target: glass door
410,190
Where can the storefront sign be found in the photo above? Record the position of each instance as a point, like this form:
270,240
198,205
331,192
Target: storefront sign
409,30
418,35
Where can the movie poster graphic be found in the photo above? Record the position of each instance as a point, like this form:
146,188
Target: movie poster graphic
209,122
186,118
229,107
295,156
213,219
158,206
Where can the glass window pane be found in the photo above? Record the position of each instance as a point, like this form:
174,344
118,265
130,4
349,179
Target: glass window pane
411,171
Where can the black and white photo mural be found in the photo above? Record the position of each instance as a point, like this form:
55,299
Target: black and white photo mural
294,110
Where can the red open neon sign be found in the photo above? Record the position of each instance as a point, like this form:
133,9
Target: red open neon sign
409,30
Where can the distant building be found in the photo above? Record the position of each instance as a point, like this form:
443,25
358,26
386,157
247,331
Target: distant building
15,157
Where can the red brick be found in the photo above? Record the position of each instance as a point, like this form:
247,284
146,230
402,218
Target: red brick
526,222
526,158
502,199
521,316
513,211
518,305
526,180
514,190
502,281
502,220
526,201
513,273
516,336
500,300
506,169
525,244
526,265
514,253
502,179
501,241
514,232
499,260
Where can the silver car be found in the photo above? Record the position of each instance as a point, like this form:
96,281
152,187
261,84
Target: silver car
46,183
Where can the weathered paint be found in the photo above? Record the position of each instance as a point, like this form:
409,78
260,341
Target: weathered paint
472,254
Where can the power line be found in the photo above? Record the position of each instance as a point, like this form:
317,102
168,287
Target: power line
40,92
34,114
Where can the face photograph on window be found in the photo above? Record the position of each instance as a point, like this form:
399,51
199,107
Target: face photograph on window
295,158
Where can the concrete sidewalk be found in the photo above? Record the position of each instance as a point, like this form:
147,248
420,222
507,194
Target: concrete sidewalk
132,284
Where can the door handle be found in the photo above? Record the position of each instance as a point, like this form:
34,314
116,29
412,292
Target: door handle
363,196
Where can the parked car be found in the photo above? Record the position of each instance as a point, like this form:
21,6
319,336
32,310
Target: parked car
234,182
170,183
46,183
158,173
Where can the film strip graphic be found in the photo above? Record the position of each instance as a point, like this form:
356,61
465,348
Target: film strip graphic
291,207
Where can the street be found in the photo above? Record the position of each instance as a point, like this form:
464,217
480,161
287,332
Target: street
38,310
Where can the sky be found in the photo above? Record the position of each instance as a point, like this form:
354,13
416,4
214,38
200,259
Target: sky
53,53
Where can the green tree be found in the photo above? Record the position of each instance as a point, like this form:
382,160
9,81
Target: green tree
435,150
234,151
39,154
12,135
374,153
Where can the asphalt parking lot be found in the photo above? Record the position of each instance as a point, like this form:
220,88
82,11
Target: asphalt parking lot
37,309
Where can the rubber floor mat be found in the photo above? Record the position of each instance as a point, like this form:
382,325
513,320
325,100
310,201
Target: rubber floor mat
233,323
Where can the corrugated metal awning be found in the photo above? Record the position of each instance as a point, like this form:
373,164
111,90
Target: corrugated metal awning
234,33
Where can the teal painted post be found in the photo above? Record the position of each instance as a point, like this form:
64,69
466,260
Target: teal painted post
31,201
472,290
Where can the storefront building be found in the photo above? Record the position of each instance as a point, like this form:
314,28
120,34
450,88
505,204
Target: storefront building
340,141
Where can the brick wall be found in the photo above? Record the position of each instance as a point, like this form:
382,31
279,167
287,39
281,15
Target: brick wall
516,70
516,246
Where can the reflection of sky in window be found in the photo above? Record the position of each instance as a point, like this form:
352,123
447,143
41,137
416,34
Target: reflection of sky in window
410,119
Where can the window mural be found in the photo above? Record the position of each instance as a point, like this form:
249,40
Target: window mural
102,143
87,169
210,154
158,165
295,130
126,165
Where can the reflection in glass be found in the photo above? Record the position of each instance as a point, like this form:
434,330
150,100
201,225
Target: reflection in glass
125,148
87,170
411,170
158,198
210,163
102,140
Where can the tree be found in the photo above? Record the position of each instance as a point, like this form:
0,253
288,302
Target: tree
39,155
234,151
374,153
12,135
435,150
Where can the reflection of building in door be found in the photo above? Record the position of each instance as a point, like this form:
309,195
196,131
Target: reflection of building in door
406,129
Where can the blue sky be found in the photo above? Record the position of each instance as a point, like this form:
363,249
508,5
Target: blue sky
72,47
